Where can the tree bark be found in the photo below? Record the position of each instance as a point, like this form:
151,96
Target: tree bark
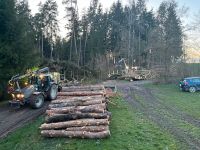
77,134
89,128
76,103
62,99
99,108
82,93
75,123
83,88
73,116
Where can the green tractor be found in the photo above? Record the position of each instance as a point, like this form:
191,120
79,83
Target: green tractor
32,88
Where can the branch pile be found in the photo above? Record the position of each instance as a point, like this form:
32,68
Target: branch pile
79,112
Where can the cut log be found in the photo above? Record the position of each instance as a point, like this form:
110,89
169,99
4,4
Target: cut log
73,116
60,101
77,134
83,88
82,110
76,103
99,108
82,93
74,99
75,123
89,128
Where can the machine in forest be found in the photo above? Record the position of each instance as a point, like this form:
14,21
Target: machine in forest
32,88
123,71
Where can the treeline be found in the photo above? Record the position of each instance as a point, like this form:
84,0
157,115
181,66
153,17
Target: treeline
145,38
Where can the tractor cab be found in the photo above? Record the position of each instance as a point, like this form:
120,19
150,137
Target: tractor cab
41,82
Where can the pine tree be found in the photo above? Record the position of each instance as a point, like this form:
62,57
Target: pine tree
46,27
73,27
17,50
174,33
8,56
169,34
117,20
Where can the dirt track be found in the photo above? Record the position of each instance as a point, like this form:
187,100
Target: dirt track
144,101
11,119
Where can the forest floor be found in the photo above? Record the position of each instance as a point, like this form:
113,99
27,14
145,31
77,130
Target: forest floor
144,116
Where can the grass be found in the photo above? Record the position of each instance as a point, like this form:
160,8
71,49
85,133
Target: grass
189,103
185,101
129,131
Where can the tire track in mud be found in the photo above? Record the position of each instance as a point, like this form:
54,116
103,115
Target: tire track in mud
142,100
10,120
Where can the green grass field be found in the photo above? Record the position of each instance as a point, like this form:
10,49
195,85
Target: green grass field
172,96
129,131
188,103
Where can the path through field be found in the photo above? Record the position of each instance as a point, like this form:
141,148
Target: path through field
143,100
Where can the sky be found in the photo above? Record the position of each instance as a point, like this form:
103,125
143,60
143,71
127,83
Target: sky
193,5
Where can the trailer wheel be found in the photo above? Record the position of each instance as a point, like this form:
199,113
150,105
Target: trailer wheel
37,101
52,93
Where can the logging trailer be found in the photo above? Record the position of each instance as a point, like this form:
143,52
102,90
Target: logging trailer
32,88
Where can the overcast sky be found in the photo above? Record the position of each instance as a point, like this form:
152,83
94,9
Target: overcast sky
193,5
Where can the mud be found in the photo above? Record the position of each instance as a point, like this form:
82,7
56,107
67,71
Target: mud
12,119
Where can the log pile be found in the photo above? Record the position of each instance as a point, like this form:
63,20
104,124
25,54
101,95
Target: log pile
78,112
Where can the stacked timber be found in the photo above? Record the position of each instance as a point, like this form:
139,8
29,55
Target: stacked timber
78,112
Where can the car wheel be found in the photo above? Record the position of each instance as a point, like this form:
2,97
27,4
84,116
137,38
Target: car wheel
37,101
192,89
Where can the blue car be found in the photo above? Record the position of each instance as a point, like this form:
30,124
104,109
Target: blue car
191,84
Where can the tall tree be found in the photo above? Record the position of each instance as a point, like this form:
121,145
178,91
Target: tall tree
46,26
117,20
73,27
17,50
169,32
8,55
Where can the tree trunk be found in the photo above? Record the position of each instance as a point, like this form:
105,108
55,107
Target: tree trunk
81,93
83,88
75,123
89,128
63,99
99,108
73,116
77,134
77,103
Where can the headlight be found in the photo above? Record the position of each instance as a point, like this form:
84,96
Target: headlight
20,96
127,67
41,76
13,96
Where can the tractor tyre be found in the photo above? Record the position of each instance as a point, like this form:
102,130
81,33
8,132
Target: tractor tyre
59,88
52,92
37,101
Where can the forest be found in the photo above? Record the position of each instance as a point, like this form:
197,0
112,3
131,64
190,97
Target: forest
144,37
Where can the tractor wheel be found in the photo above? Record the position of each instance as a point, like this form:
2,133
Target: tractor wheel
59,88
37,101
52,93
